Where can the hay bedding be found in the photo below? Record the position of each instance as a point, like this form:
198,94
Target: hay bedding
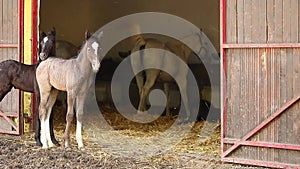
21,152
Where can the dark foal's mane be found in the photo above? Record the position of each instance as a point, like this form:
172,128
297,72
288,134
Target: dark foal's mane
14,74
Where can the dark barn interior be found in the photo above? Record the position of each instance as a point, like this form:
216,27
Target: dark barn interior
71,19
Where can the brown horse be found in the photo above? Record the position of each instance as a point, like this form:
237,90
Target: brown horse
14,74
65,49
75,76
145,80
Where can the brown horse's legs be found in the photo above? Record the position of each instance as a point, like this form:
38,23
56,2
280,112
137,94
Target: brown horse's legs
140,81
183,92
136,65
69,118
151,76
167,92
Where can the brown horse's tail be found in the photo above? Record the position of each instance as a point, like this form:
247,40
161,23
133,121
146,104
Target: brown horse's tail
140,43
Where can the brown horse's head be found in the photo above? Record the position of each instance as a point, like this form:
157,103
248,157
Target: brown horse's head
47,44
93,48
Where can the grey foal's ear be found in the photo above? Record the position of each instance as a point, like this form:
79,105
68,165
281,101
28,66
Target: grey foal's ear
87,35
100,35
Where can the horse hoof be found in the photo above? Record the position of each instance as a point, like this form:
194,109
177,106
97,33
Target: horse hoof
56,143
139,112
68,148
39,144
80,145
51,145
182,122
81,148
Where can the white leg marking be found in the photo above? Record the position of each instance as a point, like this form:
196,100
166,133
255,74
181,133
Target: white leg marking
79,134
43,134
48,137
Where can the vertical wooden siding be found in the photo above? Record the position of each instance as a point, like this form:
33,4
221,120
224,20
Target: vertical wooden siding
9,36
261,80
262,21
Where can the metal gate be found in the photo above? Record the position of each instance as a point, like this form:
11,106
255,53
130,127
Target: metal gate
260,55
11,33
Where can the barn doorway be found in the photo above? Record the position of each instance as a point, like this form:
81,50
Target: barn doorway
72,18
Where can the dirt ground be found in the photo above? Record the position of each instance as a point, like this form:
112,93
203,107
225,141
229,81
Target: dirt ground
21,151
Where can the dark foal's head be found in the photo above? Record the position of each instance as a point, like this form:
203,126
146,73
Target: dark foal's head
47,44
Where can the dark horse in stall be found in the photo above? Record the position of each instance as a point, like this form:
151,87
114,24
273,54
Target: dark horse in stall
23,77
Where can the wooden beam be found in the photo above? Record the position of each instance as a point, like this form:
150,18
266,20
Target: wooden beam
262,125
264,45
264,144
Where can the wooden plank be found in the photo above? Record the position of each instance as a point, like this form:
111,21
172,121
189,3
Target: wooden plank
1,37
229,130
1,21
274,97
243,109
240,21
289,64
298,21
5,21
252,95
270,130
234,88
247,21
262,8
231,35
294,21
258,21
229,96
272,94
9,23
278,21
286,21
270,21
276,90
254,86
262,88
12,100
15,25
283,99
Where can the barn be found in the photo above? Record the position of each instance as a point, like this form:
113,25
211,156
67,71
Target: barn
258,42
